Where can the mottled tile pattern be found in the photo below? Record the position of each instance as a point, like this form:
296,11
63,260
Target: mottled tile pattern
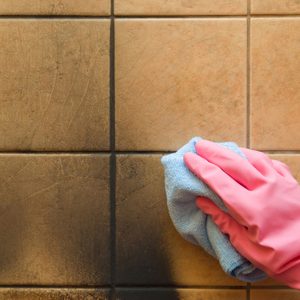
153,251
268,282
55,7
53,294
180,294
275,7
165,71
179,78
54,225
275,92
54,85
180,7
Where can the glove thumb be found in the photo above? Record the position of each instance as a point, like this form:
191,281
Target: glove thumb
223,220
238,234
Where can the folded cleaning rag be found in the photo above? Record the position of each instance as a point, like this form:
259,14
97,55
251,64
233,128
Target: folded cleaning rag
182,188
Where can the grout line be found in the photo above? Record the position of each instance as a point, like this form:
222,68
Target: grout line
271,287
274,15
179,16
248,289
112,157
206,16
129,152
142,287
167,287
52,153
248,104
54,287
51,17
283,152
87,17
144,152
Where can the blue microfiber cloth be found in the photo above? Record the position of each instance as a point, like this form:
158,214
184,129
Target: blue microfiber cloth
182,188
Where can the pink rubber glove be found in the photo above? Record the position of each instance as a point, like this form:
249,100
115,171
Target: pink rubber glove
263,200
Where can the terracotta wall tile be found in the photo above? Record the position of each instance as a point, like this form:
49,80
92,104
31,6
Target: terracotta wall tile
55,7
275,77
275,294
53,294
54,84
149,250
54,225
275,6
178,294
179,7
179,78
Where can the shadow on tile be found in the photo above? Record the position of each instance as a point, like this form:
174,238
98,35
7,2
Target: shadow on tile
54,225
149,249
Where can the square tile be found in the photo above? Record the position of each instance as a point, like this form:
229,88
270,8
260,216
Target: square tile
275,6
54,225
149,250
55,7
54,85
275,294
179,7
178,294
52,294
275,88
176,79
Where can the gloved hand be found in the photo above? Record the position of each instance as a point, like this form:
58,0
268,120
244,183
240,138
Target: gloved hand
263,200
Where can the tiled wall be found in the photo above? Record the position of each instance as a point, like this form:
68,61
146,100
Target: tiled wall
92,94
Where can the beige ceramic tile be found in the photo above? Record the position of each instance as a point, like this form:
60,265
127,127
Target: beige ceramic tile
275,6
176,79
54,225
52,294
149,250
275,294
180,7
268,282
180,294
54,84
55,7
275,83
293,161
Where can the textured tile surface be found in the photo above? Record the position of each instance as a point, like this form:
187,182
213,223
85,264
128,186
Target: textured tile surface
293,161
268,282
275,6
180,7
54,225
275,81
179,78
180,294
149,250
54,79
275,294
55,7
53,294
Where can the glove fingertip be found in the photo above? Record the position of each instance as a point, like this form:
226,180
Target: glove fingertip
191,160
221,219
